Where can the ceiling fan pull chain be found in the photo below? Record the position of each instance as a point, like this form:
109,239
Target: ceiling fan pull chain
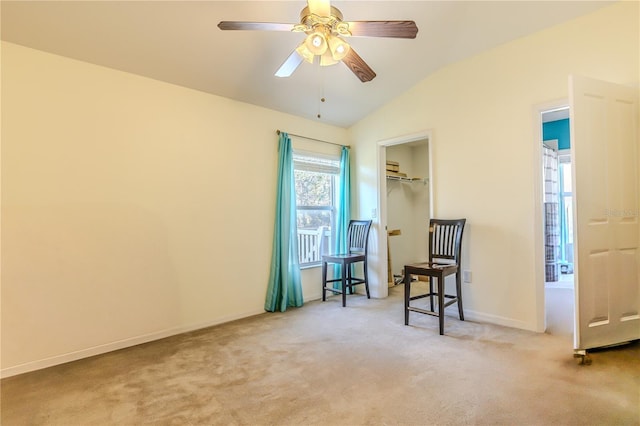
320,70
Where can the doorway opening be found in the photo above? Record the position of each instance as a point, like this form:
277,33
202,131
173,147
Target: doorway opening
558,229
405,203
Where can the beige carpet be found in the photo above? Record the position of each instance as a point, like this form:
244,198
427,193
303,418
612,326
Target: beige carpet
327,365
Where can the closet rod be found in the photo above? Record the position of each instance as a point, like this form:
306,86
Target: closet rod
314,139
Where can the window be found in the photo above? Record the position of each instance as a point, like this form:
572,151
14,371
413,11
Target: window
316,178
566,214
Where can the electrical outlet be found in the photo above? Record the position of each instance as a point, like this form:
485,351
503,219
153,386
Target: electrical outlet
466,276
374,213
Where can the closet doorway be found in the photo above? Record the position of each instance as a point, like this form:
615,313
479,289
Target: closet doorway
405,203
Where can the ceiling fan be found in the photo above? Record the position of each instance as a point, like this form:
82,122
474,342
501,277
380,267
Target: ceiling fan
325,30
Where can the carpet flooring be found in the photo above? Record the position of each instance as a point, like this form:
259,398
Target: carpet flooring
327,365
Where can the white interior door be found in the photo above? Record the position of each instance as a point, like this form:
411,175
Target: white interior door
604,144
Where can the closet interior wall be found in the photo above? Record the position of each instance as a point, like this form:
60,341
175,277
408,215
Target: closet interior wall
408,204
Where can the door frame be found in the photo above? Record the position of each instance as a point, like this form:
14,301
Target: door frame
383,289
538,219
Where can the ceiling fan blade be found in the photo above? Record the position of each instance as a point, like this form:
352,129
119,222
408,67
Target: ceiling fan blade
290,65
358,66
397,29
255,26
319,7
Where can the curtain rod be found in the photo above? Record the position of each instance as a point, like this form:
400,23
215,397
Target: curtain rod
314,139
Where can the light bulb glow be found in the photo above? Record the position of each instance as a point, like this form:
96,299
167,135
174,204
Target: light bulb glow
339,48
316,43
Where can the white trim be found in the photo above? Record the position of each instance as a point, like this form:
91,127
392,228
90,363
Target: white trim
564,155
495,319
114,346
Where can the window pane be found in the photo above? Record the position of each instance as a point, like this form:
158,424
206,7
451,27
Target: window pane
313,188
568,211
314,235
313,219
315,182
566,177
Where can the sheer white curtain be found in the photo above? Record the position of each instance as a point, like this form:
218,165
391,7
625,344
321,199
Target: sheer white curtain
550,174
551,213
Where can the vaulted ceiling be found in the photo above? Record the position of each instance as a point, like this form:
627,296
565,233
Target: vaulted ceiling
179,42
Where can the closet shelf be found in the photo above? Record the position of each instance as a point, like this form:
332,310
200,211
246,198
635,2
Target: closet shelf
407,179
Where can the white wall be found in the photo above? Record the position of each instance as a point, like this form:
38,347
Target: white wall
131,208
481,115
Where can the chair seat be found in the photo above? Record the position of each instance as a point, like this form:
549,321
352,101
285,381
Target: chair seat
434,268
343,257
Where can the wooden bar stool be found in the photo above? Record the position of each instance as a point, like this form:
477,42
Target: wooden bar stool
357,237
445,246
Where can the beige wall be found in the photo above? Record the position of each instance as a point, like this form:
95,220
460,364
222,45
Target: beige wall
131,208
134,209
481,116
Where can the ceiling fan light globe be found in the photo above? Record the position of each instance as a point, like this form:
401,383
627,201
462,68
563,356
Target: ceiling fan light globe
327,59
316,43
304,52
339,48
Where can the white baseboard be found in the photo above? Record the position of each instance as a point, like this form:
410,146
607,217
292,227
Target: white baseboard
313,297
498,320
114,346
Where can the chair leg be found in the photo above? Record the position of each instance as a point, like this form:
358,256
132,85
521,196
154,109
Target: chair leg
344,285
431,292
459,295
324,281
366,279
350,277
441,304
407,295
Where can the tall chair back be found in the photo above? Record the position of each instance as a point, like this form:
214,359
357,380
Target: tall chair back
358,236
445,240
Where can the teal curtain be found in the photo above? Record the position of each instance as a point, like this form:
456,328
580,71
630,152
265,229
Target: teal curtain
285,288
343,212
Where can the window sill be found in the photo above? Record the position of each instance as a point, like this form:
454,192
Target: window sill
311,265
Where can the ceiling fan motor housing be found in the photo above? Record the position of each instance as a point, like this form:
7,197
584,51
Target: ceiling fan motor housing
323,36
332,24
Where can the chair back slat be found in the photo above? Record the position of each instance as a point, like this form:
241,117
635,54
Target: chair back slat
445,240
358,236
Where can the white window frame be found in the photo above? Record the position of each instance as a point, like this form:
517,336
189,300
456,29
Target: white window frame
320,163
